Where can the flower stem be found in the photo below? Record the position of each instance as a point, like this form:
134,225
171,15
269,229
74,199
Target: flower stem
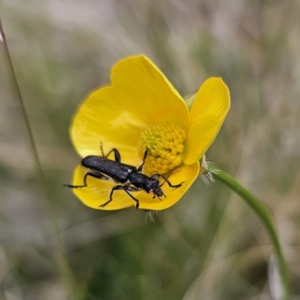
262,213
59,250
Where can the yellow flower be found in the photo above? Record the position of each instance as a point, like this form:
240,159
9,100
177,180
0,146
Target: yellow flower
142,110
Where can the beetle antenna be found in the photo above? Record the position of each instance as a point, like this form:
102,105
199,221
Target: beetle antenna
101,149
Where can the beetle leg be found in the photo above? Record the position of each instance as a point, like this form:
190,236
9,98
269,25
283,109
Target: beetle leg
143,162
155,176
116,152
127,189
91,173
116,187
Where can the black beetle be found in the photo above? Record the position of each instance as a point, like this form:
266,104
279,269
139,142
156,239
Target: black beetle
130,177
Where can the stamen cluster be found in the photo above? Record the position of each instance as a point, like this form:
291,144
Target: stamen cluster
164,142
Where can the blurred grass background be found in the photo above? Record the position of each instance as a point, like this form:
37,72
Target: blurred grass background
209,245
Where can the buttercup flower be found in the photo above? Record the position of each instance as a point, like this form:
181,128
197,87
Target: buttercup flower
142,110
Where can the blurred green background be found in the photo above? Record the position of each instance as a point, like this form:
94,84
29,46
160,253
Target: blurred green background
208,246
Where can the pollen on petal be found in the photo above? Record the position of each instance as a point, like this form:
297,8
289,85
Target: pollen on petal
164,142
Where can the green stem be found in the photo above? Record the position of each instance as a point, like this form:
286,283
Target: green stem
262,213
59,250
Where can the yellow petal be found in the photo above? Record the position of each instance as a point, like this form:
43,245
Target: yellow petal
140,95
207,115
147,92
187,174
97,191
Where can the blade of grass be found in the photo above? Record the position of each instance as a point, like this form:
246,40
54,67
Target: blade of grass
257,206
59,250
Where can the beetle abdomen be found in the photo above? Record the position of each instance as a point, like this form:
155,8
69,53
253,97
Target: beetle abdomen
116,170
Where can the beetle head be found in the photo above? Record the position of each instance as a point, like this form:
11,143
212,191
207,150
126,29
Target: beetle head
153,187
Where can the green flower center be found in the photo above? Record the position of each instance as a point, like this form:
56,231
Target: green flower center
164,142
